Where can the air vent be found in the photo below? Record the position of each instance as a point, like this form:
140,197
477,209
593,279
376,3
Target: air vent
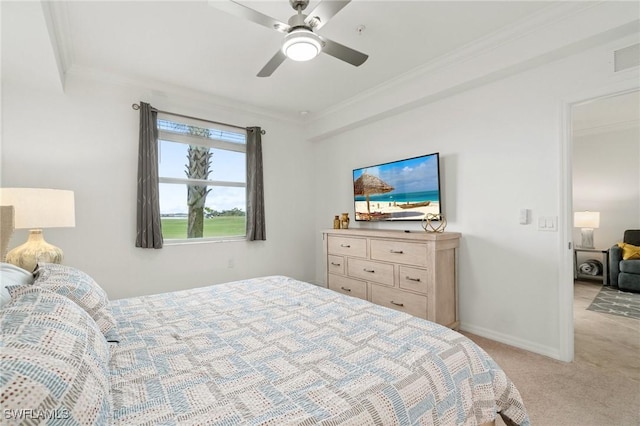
626,58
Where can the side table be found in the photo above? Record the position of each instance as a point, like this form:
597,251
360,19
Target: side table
605,264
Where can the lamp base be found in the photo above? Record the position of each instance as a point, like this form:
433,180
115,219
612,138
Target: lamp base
36,249
587,238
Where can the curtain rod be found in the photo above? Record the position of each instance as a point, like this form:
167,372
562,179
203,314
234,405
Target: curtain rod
137,107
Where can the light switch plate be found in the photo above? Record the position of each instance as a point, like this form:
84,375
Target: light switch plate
548,223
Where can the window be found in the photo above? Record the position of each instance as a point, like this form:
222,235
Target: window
202,175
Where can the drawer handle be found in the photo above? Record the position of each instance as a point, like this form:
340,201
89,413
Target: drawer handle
397,304
345,245
413,279
369,270
337,264
345,289
396,251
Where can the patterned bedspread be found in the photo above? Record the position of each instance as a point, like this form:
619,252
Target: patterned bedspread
275,351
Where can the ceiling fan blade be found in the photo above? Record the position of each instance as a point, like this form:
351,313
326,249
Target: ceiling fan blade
273,63
245,12
324,11
343,52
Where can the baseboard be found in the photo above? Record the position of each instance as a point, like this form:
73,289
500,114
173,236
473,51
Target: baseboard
511,340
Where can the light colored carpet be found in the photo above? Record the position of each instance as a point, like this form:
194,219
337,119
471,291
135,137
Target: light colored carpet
600,387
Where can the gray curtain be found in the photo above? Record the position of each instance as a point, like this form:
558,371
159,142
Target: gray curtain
255,186
149,227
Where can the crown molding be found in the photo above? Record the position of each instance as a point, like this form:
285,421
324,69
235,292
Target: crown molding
56,16
57,19
161,89
556,32
607,128
504,36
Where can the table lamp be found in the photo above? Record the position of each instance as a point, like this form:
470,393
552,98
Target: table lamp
587,221
35,209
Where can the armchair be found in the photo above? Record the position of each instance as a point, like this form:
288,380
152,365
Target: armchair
625,273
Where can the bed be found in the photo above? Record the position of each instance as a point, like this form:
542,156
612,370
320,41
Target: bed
263,351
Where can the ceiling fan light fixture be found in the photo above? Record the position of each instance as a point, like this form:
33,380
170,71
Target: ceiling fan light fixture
301,45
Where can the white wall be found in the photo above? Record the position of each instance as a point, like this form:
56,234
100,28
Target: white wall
86,140
500,147
606,178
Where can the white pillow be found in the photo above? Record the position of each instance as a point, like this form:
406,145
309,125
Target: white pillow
12,275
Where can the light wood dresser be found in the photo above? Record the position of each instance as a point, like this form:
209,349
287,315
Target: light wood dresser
413,272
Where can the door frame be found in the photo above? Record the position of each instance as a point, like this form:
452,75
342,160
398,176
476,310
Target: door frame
565,296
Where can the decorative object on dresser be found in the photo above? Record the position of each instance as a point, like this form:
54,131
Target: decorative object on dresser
430,218
413,272
587,221
344,221
35,209
336,222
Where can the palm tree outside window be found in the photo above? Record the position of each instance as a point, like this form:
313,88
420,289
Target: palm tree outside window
202,180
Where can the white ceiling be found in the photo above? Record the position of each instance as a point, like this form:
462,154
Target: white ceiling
193,44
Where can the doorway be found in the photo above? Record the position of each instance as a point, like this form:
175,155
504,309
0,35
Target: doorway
594,129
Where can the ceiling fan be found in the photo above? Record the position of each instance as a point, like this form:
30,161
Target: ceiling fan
301,43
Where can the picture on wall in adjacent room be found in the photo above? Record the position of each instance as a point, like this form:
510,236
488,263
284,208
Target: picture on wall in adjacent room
407,189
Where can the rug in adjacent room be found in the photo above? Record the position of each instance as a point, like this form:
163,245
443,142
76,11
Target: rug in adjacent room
613,301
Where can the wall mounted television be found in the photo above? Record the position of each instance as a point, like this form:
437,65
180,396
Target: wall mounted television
401,190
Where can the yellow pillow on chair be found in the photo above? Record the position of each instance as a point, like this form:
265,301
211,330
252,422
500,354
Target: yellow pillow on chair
629,251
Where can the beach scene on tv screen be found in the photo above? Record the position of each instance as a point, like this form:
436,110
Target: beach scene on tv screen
401,190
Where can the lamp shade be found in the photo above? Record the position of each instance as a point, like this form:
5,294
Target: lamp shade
37,208
586,219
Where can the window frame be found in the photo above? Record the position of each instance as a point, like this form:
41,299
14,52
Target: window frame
208,142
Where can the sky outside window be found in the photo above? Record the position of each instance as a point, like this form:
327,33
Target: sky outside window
225,166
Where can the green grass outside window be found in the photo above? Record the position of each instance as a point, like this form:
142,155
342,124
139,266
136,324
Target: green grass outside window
222,226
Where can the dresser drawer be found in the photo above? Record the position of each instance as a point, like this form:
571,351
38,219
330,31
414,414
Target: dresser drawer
335,264
348,286
370,271
347,246
407,253
410,303
414,279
